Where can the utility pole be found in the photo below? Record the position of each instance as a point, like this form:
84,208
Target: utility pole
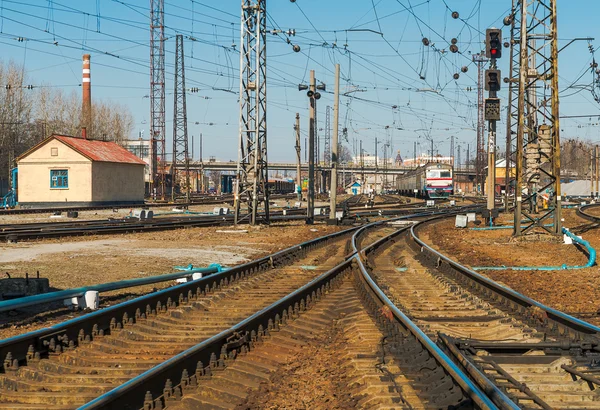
335,144
458,156
298,155
415,154
597,163
591,172
180,132
431,149
252,169
327,142
468,158
538,23
203,188
310,216
157,97
362,170
452,150
376,167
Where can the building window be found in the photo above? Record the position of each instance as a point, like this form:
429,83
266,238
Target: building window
59,178
54,152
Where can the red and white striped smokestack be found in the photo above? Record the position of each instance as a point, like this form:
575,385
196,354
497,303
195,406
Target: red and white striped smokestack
86,108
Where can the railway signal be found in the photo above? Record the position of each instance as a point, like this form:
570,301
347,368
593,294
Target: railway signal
492,80
493,43
493,50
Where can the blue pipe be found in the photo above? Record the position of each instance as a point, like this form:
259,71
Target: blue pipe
564,266
18,303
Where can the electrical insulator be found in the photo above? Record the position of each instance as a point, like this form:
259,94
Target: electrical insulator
545,140
532,161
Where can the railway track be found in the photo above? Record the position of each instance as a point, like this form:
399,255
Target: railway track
70,364
64,367
204,200
38,230
583,211
513,347
384,297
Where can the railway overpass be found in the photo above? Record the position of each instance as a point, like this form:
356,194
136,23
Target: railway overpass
288,166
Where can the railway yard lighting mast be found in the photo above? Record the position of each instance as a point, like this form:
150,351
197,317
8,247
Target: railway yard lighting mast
252,171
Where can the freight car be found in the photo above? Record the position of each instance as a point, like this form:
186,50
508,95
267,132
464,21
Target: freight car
281,186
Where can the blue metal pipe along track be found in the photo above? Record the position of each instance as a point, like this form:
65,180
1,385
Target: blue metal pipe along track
26,301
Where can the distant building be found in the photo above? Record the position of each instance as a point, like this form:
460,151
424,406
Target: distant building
141,149
74,171
425,158
369,160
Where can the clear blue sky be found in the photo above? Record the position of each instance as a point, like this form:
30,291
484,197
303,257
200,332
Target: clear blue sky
383,71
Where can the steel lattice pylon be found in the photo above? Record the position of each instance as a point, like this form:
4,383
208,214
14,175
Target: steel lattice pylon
512,115
180,134
252,171
157,96
538,129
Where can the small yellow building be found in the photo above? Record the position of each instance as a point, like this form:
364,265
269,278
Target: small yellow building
73,171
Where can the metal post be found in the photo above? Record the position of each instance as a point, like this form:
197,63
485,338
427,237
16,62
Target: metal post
157,96
452,150
252,169
334,145
376,167
298,156
180,134
491,176
310,215
203,188
539,41
480,59
597,163
362,170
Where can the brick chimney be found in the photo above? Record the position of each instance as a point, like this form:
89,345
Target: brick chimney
86,107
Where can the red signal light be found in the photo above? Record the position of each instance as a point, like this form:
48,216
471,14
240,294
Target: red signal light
494,51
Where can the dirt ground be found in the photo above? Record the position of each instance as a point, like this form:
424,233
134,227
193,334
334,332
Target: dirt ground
574,291
313,379
74,262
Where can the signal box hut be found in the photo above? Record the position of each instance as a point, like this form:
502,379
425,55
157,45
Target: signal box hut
74,171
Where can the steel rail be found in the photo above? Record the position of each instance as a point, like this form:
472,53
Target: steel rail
194,201
83,329
151,386
156,386
479,398
504,297
581,211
